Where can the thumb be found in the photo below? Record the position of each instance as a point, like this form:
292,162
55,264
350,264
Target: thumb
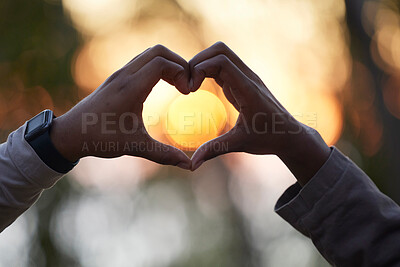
226,143
165,154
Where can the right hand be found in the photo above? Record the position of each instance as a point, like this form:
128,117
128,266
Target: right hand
264,126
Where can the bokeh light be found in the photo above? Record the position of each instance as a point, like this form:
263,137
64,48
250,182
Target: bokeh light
130,211
387,38
313,45
391,95
194,119
96,17
321,111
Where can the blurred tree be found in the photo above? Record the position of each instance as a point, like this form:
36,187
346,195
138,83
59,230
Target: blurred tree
383,166
37,44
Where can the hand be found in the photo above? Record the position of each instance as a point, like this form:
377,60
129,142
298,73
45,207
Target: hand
264,126
108,123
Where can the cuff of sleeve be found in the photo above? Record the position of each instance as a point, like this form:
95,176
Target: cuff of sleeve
297,201
28,162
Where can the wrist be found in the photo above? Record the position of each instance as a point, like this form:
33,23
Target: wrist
64,140
305,154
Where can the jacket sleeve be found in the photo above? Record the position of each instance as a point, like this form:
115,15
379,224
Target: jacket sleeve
23,177
348,219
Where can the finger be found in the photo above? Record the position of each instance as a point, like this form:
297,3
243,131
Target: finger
229,76
158,68
155,51
122,70
165,154
229,142
228,94
159,51
220,48
133,59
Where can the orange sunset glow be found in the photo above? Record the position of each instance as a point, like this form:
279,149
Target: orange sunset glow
334,65
195,119
289,75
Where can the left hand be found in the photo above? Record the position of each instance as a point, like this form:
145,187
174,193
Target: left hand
108,123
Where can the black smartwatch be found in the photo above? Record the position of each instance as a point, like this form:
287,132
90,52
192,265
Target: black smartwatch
37,134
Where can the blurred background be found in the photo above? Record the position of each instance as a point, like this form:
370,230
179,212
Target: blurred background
334,64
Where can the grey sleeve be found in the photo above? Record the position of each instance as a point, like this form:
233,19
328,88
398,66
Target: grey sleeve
348,219
23,177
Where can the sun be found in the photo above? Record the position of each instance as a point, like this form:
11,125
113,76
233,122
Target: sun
192,120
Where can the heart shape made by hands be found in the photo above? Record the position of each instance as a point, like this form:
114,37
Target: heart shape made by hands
190,120
263,125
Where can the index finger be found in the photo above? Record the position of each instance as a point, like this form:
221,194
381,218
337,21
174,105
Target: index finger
148,55
220,48
230,76
158,68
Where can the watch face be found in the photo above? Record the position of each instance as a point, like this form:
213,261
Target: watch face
38,124
35,122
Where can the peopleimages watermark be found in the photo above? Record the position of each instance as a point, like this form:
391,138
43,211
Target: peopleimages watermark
128,147
196,123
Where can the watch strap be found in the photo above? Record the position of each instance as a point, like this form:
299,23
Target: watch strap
47,152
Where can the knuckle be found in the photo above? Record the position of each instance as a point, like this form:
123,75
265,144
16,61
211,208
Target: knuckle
222,59
221,46
123,84
159,49
115,75
159,61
